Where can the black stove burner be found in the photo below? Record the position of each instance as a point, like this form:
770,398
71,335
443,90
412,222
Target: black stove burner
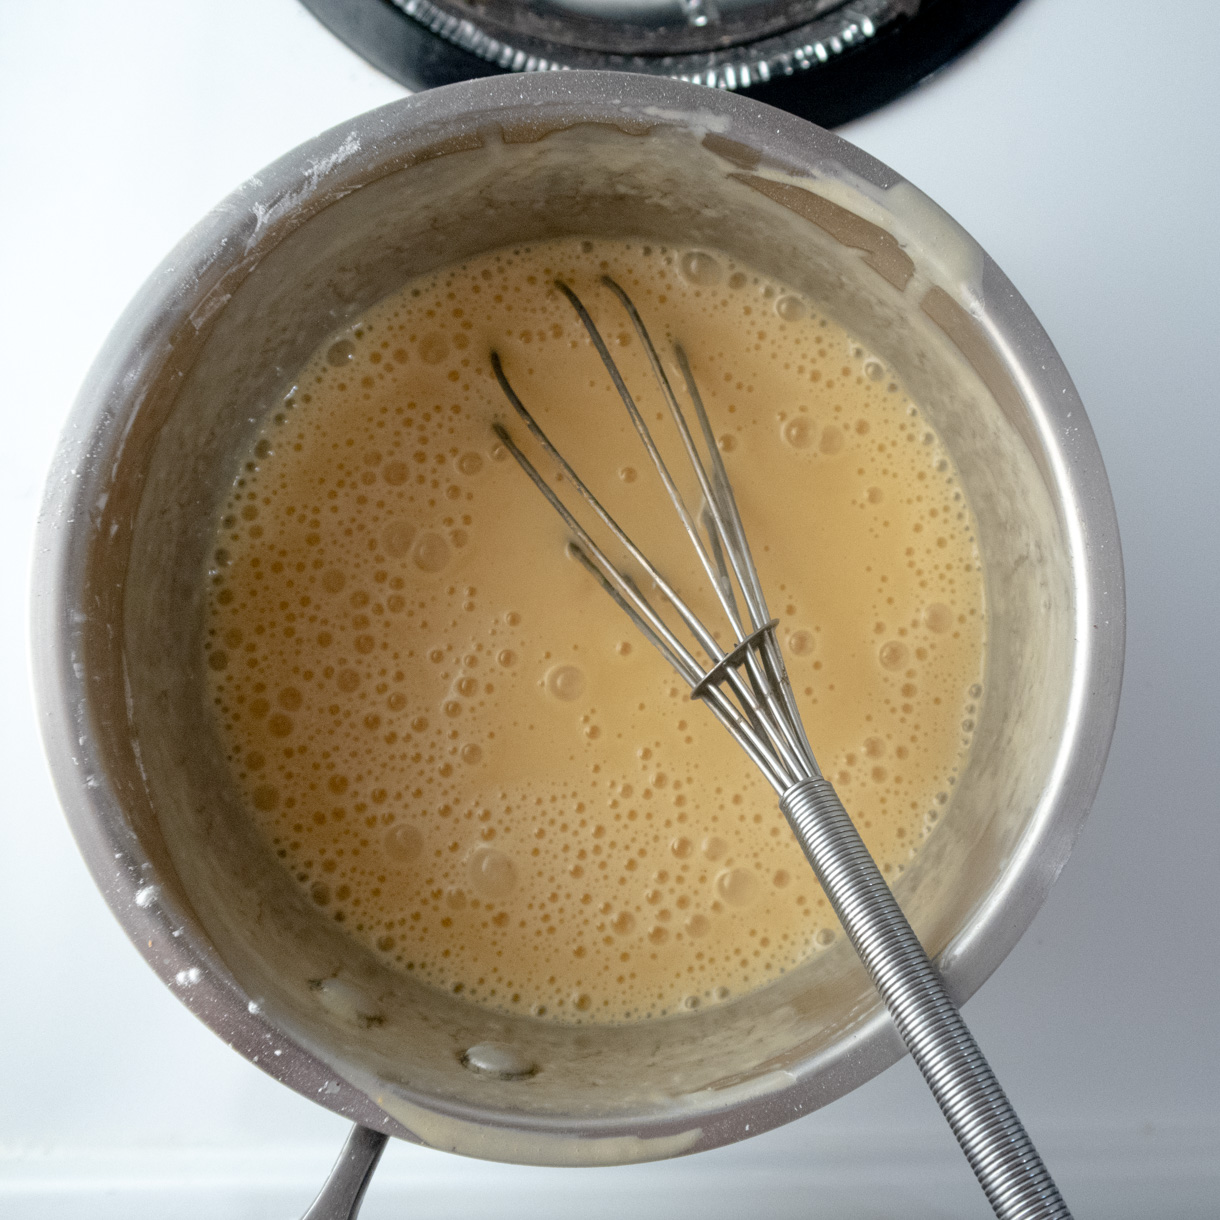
826,60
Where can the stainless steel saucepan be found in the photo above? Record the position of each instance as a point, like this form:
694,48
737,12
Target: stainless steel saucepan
210,346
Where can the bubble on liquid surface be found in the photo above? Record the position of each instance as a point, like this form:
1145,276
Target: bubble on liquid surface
938,617
737,886
700,268
491,873
791,309
397,538
341,353
431,553
892,655
403,843
800,643
470,463
799,432
565,682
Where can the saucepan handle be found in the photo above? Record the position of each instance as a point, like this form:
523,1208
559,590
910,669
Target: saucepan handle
343,1192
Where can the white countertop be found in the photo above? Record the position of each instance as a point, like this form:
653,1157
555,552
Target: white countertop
1078,144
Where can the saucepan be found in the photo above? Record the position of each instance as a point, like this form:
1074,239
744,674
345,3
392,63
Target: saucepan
210,345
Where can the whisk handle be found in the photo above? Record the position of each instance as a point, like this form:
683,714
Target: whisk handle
1000,1152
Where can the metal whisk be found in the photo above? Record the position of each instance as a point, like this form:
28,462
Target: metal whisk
746,686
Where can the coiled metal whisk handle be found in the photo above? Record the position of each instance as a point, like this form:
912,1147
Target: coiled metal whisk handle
1000,1152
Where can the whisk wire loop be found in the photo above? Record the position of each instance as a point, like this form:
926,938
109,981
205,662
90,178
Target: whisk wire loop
747,573
725,536
772,738
650,445
722,520
694,624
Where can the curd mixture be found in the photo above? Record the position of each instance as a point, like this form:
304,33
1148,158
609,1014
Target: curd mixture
462,749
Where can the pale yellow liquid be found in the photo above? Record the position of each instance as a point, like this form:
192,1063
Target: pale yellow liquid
454,740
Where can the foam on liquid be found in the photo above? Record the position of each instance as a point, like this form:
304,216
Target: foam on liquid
455,742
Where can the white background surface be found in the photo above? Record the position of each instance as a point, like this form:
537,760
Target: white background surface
1078,143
